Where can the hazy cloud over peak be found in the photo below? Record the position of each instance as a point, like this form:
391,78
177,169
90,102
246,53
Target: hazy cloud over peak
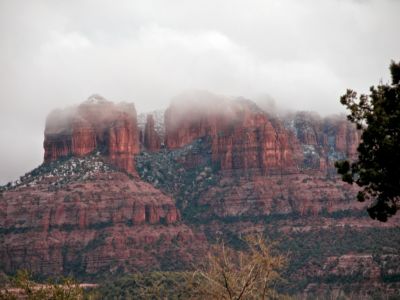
302,53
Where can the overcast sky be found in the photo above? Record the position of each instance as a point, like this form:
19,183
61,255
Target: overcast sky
302,53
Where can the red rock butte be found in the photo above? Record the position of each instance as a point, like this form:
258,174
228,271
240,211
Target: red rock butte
95,125
245,138
225,169
242,136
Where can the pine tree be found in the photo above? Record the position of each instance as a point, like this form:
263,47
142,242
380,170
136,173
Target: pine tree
377,169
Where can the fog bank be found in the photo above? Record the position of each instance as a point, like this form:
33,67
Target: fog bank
303,54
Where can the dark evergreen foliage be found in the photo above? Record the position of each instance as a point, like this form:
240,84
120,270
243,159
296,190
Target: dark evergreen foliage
377,170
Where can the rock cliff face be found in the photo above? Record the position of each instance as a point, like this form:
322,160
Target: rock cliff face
151,140
194,115
158,117
95,125
324,140
254,142
347,138
288,195
82,216
290,161
243,137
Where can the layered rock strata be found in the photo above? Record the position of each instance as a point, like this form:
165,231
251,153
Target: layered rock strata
95,125
324,140
242,136
83,217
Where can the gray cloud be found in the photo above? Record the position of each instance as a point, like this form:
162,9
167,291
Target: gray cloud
302,53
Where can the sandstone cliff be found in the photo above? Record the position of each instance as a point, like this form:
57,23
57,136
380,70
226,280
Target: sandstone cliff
95,125
324,140
81,216
158,117
243,137
151,139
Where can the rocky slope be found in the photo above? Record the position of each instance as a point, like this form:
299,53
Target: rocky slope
81,215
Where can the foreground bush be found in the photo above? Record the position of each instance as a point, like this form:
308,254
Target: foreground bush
247,274
23,287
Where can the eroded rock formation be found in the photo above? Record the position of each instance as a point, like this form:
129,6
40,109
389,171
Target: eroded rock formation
95,125
242,136
151,140
82,216
323,140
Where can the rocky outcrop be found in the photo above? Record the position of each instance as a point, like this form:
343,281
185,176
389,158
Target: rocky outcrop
288,195
288,159
347,138
151,140
365,267
350,264
158,117
323,140
95,125
242,136
81,216
194,115
256,144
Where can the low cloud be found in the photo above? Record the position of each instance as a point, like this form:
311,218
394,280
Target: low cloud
304,54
